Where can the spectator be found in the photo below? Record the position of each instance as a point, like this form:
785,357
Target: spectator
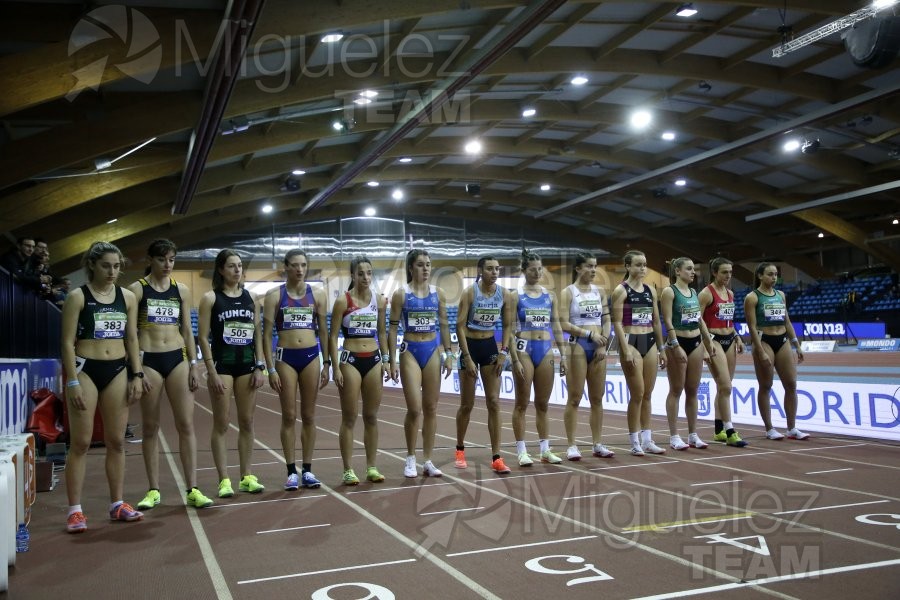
61,291
18,262
852,299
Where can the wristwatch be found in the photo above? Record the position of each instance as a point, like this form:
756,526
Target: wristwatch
138,374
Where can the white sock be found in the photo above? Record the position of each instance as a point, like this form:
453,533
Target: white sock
115,505
74,509
545,446
727,425
633,436
520,447
645,436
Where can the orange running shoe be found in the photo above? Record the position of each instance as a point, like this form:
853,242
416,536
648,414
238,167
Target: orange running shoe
76,523
500,467
461,459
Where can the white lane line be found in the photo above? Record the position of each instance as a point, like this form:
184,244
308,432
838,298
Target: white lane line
338,570
396,489
501,548
790,512
717,482
255,502
592,495
206,551
828,471
704,522
809,574
650,464
444,512
827,448
274,462
293,528
506,477
741,455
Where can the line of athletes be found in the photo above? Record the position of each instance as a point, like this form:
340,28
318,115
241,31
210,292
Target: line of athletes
121,345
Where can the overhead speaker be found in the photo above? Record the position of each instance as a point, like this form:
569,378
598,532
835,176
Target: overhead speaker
874,42
474,190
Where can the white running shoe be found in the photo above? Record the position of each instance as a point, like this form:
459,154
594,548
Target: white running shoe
652,448
773,434
695,442
429,470
409,470
637,451
525,460
677,443
796,434
601,451
573,454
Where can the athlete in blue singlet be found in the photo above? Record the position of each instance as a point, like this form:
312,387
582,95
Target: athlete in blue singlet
421,309
536,329
298,314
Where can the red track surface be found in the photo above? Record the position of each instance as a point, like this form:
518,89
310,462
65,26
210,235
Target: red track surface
619,528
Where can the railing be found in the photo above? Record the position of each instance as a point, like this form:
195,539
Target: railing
30,326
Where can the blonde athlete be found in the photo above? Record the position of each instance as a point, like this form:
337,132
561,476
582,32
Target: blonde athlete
772,336
584,315
635,321
532,357
99,344
169,356
231,343
717,306
299,316
423,310
687,338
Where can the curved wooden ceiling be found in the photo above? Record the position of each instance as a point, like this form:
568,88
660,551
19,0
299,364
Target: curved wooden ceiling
710,79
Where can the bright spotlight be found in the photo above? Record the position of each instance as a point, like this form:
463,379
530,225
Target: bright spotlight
668,136
473,147
368,93
406,159
681,182
545,187
337,126
370,212
397,194
331,38
641,119
362,101
298,172
373,184
267,208
579,80
792,145
528,112
821,235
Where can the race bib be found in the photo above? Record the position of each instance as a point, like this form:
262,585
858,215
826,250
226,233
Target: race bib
521,345
589,309
690,315
163,312
424,321
642,315
297,317
362,324
486,317
237,333
109,325
726,311
774,311
537,318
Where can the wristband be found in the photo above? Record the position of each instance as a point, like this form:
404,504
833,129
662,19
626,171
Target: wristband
273,371
673,343
795,341
327,362
385,358
659,349
193,361
73,383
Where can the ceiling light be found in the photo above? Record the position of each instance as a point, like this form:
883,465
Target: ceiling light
640,119
337,126
406,159
821,235
397,194
791,145
579,80
473,147
267,208
330,38
668,136
681,182
111,221
879,4
373,184
362,101
895,222
298,172
370,212
528,111
545,187
686,10
368,93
